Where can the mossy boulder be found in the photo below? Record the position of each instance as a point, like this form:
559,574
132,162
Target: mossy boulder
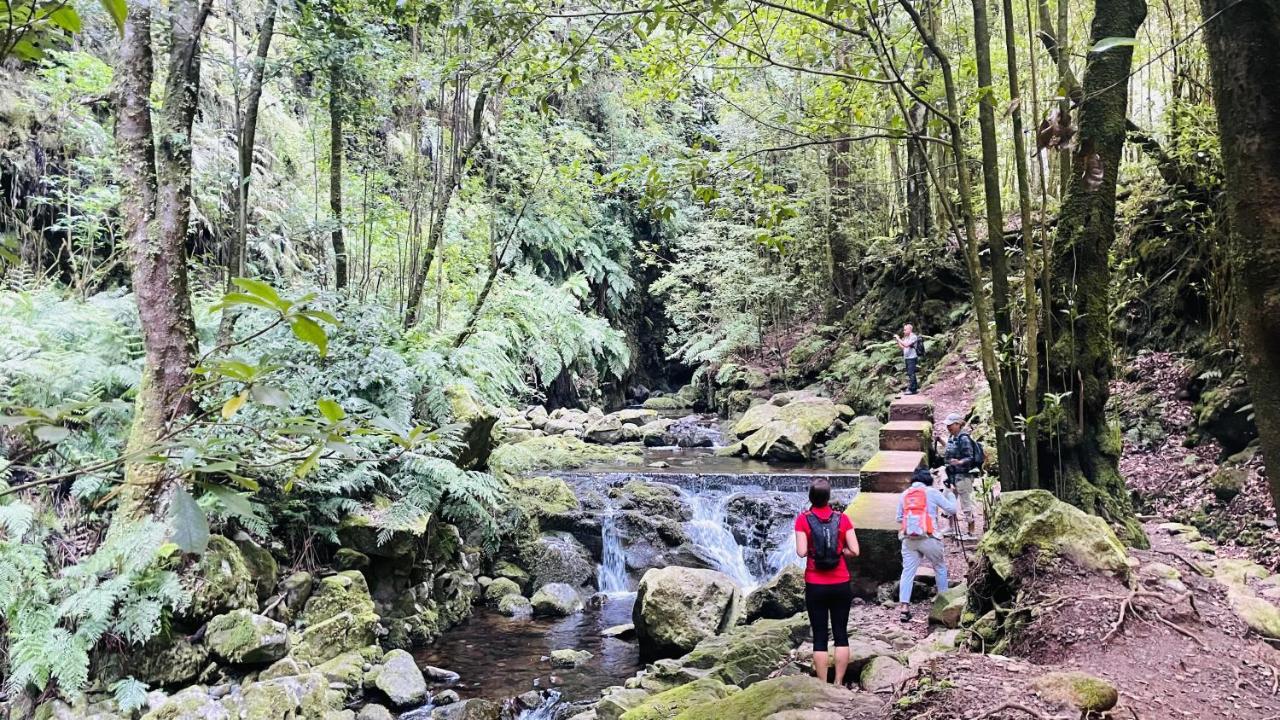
192,703
789,431
558,558
347,668
1227,483
220,582
766,699
672,702
164,661
346,591
617,701
350,559
471,709
857,444
540,497
666,402
243,638
948,605
555,600
1078,690
1261,616
883,672
568,657
553,452
299,696
511,571
500,588
365,529
399,678
781,597
262,566
476,420
676,607
755,418
330,638
515,606
747,654
1034,520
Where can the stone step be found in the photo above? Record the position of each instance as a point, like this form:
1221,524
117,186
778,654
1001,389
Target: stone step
874,517
911,407
906,435
890,470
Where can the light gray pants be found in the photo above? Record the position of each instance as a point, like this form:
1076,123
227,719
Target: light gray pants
914,550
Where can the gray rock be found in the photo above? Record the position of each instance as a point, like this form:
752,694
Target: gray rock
400,679
556,600
243,638
445,697
677,607
515,606
948,606
472,709
781,597
568,658
500,588
350,559
558,558
440,675
374,711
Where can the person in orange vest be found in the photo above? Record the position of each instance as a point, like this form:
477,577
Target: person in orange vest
921,536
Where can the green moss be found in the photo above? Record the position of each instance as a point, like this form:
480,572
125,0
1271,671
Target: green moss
543,496
666,402
553,452
671,702
220,581
1084,692
1036,519
793,692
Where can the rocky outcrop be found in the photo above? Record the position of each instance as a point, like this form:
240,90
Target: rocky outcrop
1078,691
338,617
243,638
789,427
220,582
399,678
677,607
475,421
781,597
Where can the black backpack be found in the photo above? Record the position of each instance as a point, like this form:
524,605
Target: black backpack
979,453
919,346
825,538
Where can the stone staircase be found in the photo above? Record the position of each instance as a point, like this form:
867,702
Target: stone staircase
904,446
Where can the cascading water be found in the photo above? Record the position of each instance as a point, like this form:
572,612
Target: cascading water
709,532
612,573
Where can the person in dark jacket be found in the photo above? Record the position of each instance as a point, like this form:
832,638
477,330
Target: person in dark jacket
961,462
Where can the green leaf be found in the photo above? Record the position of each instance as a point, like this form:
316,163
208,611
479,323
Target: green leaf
306,467
247,483
52,434
116,9
1107,43
190,526
262,290
321,315
244,299
236,503
66,18
331,410
309,331
217,466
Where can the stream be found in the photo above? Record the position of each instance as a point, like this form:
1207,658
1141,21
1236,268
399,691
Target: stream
738,521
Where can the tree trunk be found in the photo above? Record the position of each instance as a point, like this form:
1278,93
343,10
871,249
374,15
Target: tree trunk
1243,40
246,141
840,264
1079,455
414,301
919,211
157,201
1011,451
335,176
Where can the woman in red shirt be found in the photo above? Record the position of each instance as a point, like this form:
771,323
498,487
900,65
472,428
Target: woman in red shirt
826,542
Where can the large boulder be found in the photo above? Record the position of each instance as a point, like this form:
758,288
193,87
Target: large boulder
367,531
948,606
399,678
558,558
192,703
671,703
789,431
220,582
554,600
299,696
162,661
781,597
262,566
771,698
243,638
677,607
475,420
338,617
857,444
1036,521
745,655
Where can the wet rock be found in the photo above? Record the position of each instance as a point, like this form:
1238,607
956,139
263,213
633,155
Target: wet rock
339,634
500,588
789,432
399,678
349,559
472,709
440,675
857,444
770,698
558,558
745,655
616,701
671,703
374,711
625,631
446,697
677,607
693,431
1036,519
262,566
606,431
1081,691
556,600
883,673
193,703
654,433
781,597
243,638
511,571
1227,483
515,606
652,499
568,658
948,605
220,582
300,696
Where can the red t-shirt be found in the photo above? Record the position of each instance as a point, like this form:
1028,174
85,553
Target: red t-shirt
838,574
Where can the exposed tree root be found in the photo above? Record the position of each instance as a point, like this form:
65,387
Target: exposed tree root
1020,708
1130,608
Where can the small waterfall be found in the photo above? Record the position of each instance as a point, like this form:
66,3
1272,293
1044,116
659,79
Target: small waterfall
612,572
710,534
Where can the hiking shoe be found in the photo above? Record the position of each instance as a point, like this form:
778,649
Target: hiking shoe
905,616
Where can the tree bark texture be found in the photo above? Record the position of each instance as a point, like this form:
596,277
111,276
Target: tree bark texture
1243,40
335,176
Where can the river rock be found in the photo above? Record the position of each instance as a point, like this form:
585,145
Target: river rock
164,661
568,657
515,606
781,597
220,582
243,638
284,667
471,709
883,673
302,696
1036,519
374,711
769,699
262,566
654,433
400,679
789,432
537,416
500,588
677,607
440,675
297,590
693,431
636,416
606,430
671,703
556,600
857,444
554,452
745,655
558,558
948,606
348,668
192,703
445,697
616,701
1078,690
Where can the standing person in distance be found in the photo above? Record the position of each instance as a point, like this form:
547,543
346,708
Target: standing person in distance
826,538
910,344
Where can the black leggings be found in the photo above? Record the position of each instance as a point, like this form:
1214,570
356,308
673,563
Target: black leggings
823,601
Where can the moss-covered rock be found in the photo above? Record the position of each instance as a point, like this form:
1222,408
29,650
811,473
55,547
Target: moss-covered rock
554,600
300,696
476,420
672,702
262,566
755,418
193,703
336,635
558,558
948,606
500,588
616,701
511,571
676,607
554,452
540,497
568,657
1035,519
346,591
883,672
364,531
220,582
1078,690
781,597
347,668
1261,616
350,559
297,590
243,638
750,653
515,606
770,697
399,678
163,661
857,444
666,402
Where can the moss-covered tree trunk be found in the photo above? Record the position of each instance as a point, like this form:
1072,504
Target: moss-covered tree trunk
839,245
1079,454
1243,40
335,176
919,206
155,169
